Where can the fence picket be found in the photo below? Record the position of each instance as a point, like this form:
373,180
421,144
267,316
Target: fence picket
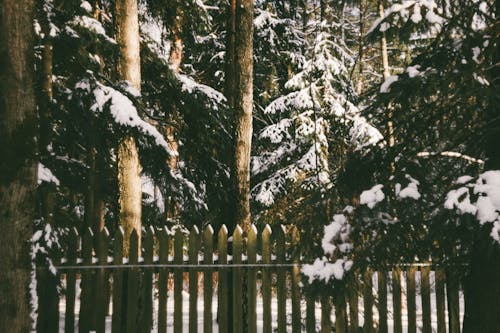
208,259
237,277
84,323
340,313
164,250
382,300
440,306
252,280
353,304
101,278
69,321
296,313
396,300
326,312
147,293
452,285
222,311
193,280
116,321
410,299
133,283
266,279
281,276
426,299
310,313
178,279
368,300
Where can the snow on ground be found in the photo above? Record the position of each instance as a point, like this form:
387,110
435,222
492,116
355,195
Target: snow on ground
274,309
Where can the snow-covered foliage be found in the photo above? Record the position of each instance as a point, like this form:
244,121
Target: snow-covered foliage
480,198
317,114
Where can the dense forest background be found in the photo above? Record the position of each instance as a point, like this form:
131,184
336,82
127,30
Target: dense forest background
372,126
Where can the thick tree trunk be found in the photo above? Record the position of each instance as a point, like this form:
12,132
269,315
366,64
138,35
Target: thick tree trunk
129,168
230,72
19,164
243,107
482,288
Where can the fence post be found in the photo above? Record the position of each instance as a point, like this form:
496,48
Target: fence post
382,300
340,312
296,313
368,300
133,283
266,279
396,300
178,279
281,279
222,311
86,283
163,280
101,294
410,300
69,322
147,313
117,324
426,299
440,303
252,277
208,259
193,280
237,285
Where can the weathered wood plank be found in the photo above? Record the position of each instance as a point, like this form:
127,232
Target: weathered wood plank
222,311
133,284
69,320
368,301
208,259
326,312
440,301
164,239
266,280
426,299
117,318
193,280
396,300
296,313
237,285
146,317
178,279
101,279
252,280
452,285
382,300
85,320
281,278
411,300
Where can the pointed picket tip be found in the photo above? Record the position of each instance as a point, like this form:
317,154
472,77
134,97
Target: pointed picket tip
195,230
88,232
105,232
150,230
209,230
119,232
252,233
74,232
238,230
283,228
267,229
223,230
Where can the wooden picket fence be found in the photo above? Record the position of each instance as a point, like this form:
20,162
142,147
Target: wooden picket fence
127,291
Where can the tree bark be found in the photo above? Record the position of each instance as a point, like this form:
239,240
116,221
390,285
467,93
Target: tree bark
230,72
18,170
243,107
129,167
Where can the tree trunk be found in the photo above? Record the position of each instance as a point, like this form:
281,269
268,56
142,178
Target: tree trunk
243,107
482,288
18,170
129,168
230,72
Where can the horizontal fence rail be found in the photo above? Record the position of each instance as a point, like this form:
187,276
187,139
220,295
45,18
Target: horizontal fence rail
253,284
